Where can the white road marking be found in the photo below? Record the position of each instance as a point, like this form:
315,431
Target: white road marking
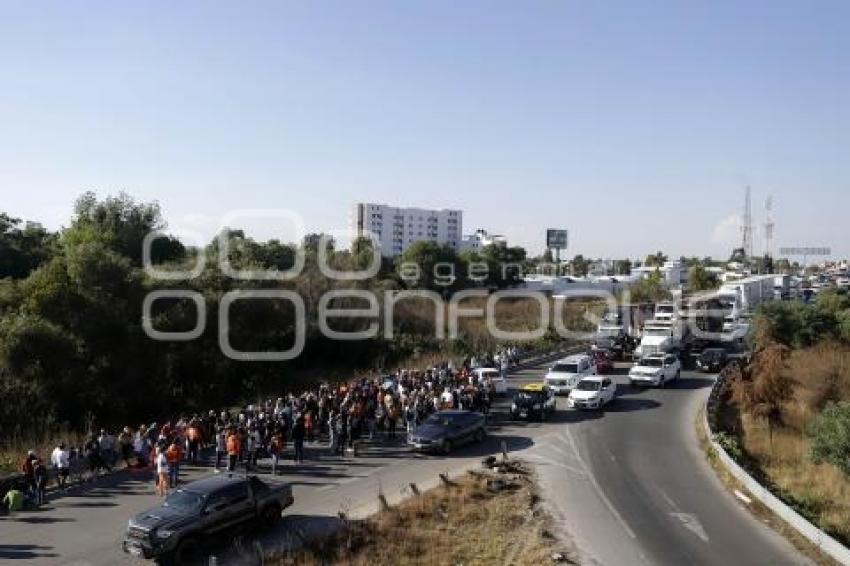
688,520
597,487
542,460
691,523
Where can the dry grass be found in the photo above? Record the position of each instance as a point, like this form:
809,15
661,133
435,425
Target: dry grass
463,524
760,511
819,491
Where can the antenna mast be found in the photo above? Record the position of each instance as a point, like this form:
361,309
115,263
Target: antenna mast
747,226
768,226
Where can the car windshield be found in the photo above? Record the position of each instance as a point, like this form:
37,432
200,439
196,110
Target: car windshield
652,362
441,420
588,386
712,354
565,368
490,374
528,395
657,332
184,500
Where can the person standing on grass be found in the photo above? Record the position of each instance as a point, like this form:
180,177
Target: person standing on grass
61,460
161,472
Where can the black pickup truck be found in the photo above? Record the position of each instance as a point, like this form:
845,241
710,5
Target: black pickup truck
201,510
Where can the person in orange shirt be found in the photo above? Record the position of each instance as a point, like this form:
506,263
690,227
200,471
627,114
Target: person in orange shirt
194,438
234,449
173,455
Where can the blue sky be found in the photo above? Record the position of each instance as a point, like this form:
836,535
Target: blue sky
634,126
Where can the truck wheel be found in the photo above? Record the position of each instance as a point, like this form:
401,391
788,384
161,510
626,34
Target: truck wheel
271,516
184,552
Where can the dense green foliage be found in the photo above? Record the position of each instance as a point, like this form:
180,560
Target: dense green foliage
701,279
830,436
801,325
72,343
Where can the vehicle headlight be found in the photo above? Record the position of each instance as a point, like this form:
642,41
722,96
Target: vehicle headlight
538,406
513,407
164,533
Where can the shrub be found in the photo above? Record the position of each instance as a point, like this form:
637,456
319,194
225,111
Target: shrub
830,436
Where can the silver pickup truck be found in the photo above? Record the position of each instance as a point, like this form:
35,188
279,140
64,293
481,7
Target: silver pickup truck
201,510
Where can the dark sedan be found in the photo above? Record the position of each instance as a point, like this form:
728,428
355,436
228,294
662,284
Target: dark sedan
712,360
444,430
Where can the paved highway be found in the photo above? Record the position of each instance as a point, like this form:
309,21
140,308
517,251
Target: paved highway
627,485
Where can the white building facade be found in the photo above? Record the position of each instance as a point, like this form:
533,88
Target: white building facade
481,239
397,228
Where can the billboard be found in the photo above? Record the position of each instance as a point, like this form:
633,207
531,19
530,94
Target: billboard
556,239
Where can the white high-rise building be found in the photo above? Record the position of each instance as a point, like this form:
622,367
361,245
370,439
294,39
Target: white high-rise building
397,228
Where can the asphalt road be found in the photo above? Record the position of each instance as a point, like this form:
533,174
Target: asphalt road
626,485
629,484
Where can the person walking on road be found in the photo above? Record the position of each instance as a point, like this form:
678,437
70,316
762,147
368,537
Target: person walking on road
173,455
234,449
28,469
298,434
276,447
220,447
40,474
61,460
161,472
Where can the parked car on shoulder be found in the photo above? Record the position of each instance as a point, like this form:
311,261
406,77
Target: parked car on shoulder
200,510
592,393
444,430
712,360
493,377
567,372
533,401
655,370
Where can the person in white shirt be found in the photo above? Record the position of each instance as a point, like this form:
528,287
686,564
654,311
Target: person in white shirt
161,472
447,399
61,460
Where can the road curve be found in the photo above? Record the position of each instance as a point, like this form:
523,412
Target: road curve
630,485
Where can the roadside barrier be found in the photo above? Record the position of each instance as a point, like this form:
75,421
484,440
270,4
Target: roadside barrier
803,526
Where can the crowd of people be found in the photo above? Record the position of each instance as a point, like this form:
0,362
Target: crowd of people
381,408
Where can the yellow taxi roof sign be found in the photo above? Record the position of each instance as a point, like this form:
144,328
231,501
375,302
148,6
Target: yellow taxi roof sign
533,387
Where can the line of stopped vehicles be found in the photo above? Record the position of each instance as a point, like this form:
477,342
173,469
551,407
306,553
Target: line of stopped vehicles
207,508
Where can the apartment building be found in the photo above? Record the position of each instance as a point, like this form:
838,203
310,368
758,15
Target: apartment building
396,228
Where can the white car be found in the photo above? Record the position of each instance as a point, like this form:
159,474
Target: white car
493,377
655,370
592,393
566,373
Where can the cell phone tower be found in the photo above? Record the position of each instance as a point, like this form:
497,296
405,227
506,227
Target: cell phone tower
747,226
768,226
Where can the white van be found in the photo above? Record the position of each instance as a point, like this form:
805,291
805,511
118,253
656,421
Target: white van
491,376
566,373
